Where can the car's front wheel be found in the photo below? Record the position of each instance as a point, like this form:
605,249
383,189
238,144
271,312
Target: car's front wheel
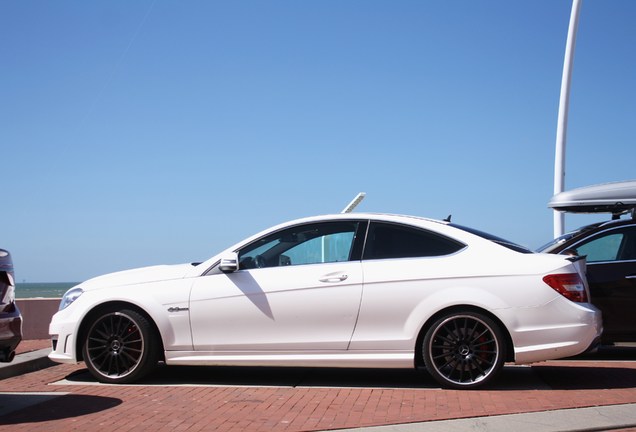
120,346
463,350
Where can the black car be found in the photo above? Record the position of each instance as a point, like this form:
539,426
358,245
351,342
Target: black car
10,317
610,248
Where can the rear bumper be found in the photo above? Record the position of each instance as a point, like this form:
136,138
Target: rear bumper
594,346
577,329
10,333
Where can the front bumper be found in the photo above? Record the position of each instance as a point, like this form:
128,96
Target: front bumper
63,341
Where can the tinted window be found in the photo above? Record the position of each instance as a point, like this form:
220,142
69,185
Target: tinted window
502,242
386,240
303,244
613,245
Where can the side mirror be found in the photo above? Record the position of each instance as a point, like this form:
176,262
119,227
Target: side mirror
229,263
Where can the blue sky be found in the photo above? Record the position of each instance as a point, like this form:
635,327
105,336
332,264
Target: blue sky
158,132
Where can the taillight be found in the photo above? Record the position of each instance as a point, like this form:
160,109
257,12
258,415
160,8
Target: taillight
569,285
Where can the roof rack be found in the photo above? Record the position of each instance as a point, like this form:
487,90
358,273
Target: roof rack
616,198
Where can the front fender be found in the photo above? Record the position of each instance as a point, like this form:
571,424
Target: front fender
165,303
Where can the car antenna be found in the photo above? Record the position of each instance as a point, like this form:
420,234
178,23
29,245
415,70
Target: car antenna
448,218
353,204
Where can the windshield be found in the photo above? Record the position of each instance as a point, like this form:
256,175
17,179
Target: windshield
505,243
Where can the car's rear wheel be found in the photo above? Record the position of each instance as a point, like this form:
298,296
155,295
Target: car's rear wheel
463,350
120,347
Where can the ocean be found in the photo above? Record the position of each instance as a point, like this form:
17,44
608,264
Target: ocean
42,290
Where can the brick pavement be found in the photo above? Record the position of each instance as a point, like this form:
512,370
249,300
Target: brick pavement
308,405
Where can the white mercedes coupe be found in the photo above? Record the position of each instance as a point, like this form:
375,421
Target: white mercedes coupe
343,290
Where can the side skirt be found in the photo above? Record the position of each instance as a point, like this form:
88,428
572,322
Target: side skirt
362,359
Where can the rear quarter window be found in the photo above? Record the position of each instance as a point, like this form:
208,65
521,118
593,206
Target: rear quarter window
387,240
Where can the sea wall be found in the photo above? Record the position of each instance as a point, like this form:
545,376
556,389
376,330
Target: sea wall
36,316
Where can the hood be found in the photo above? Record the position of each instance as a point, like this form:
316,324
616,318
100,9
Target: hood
138,276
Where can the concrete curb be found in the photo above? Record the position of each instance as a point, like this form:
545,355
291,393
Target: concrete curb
592,419
25,363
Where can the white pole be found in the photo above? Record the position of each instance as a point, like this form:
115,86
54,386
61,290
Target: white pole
562,123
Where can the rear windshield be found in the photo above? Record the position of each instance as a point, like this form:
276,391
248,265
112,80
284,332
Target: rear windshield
505,243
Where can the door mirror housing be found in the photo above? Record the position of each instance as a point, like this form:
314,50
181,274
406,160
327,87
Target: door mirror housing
229,262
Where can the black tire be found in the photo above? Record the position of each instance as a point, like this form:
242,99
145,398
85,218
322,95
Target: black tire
463,350
120,347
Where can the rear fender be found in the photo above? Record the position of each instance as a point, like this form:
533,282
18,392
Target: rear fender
452,298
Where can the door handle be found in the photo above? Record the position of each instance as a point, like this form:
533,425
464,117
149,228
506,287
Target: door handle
633,276
334,278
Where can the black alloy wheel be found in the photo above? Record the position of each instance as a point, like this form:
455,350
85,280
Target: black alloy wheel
120,347
464,350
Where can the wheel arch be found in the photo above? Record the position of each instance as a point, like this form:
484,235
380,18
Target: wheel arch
110,306
419,360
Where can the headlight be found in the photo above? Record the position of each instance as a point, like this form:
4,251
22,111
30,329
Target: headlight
70,296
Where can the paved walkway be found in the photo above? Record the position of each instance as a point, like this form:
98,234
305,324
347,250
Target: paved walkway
593,393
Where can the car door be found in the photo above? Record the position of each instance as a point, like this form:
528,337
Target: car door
611,273
297,289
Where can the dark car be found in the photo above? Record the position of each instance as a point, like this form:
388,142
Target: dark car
10,317
610,248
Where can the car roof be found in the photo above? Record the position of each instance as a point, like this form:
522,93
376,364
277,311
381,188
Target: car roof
457,232
600,226
417,220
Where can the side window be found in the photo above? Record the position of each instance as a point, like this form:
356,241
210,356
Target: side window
327,248
303,244
386,240
615,245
